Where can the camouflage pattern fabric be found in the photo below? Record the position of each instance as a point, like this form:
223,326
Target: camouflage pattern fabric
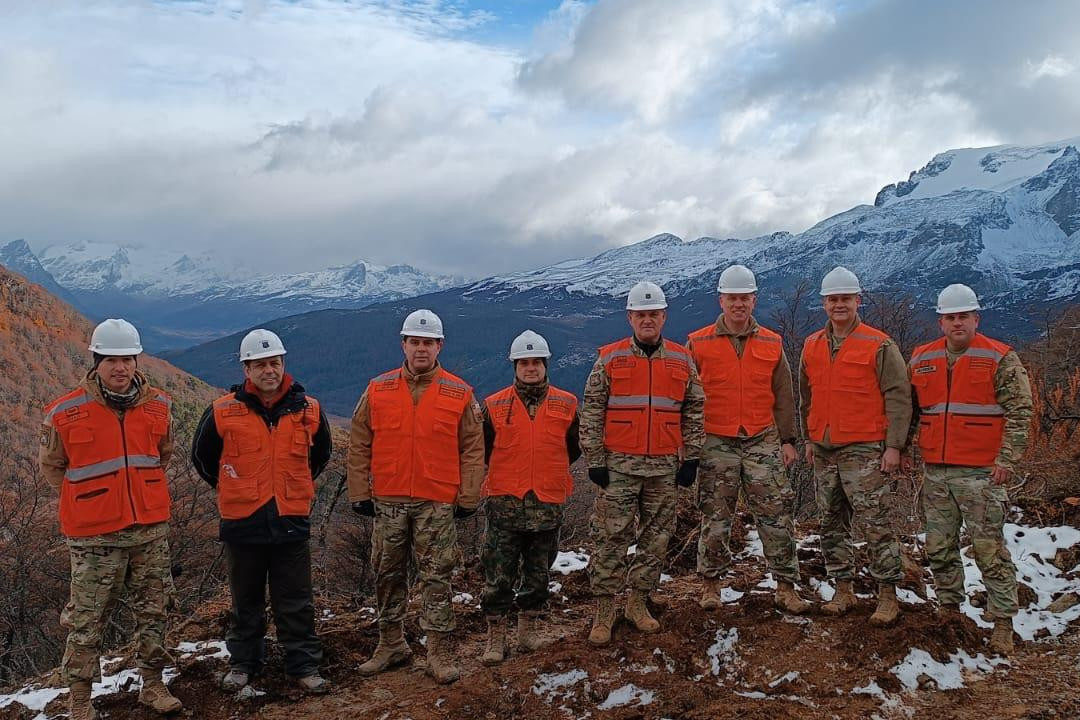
425,529
651,502
953,495
593,413
520,545
850,484
100,575
1012,390
753,466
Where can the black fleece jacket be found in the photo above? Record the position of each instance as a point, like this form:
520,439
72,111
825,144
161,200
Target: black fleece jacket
265,525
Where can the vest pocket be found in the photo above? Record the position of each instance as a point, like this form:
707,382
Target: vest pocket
95,502
151,488
622,432
852,374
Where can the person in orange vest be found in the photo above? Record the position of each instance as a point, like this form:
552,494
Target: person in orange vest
641,433
750,438
973,410
105,447
261,446
530,440
416,462
856,409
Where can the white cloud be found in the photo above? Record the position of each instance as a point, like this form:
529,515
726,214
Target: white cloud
304,134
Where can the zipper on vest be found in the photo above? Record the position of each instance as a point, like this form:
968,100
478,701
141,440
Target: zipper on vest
127,468
648,412
948,397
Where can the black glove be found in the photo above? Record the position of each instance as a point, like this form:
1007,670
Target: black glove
687,473
364,507
461,513
599,476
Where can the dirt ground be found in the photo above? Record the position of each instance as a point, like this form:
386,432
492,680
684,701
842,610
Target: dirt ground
779,666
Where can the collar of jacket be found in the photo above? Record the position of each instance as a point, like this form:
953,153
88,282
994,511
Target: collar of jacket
413,378
294,400
637,349
722,329
829,331
89,384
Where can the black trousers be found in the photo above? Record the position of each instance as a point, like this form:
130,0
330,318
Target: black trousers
287,568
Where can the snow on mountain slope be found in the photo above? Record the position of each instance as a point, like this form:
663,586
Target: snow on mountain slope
995,168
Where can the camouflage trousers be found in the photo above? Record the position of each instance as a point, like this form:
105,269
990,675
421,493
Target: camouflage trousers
951,495
650,501
520,545
752,465
100,575
425,530
850,485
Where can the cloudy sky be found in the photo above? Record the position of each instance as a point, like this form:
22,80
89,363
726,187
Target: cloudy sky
476,137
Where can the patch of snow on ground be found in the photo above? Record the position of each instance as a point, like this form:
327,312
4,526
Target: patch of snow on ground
907,596
872,688
730,595
947,676
188,649
787,677
463,598
753,546
568,562
32,697
626,695
554,587
669,664
722,652
123,681
824,590
550,685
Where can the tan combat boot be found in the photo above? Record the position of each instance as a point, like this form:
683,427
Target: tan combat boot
155,695
887,608
79,704
787,599
392,650
495,652
527,637
1001,640
605,618
842,601
440,659
710,594
637,612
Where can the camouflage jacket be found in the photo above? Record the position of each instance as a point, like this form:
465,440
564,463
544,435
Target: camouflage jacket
594,411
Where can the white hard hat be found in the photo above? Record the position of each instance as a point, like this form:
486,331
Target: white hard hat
840,281
646,296
737,279
422,323
259,344
529,345
957,298
115,337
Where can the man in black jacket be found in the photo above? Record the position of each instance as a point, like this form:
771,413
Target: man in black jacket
261,446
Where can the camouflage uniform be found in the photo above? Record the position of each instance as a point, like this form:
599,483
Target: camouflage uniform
640,487
522,536
849,478
424,528
954,494
753,465
133,561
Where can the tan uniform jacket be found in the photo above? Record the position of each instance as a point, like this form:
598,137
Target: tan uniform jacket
892,381
783,392
470,445
53,462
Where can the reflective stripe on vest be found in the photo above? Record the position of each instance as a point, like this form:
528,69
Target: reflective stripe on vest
960,421
644,406
259,462
738,389
845,394
414,448
103,489
530,454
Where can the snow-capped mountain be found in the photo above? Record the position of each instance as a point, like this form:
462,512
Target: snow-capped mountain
182,298
18,257
1004,219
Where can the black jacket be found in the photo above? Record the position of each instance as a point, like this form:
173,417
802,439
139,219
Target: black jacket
264,525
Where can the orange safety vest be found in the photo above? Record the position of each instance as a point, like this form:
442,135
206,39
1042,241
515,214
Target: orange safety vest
259,462
414,448
960,422
644,407
530,453
114,477
845,395
738,390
